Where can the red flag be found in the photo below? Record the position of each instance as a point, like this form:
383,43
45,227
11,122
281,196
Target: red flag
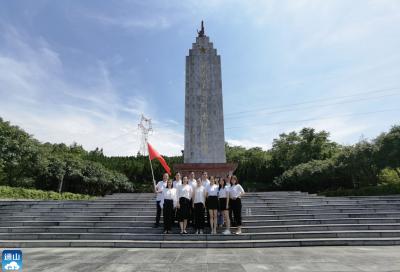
154,154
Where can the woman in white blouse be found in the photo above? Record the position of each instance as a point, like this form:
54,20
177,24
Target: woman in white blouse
199,199
223,203
169,201
185,192
212,203
235,193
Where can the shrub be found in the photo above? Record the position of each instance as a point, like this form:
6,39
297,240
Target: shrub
7,192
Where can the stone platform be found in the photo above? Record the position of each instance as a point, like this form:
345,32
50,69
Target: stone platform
311,259
270,219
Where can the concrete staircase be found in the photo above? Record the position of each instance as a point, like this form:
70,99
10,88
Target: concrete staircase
269,219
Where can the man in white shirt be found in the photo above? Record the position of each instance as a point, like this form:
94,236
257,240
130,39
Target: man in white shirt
199,198
158,190
204,180
193,183
206,183
192,180
178,181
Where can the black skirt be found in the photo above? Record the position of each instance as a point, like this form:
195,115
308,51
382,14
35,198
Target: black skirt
212,202
184,210
222,204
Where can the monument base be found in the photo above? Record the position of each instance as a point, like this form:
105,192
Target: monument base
213,169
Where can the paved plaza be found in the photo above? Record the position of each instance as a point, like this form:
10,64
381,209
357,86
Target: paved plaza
335,259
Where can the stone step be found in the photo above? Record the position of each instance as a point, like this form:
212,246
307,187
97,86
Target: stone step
147,208
86,223
207,237
152,212
202,244
269,219
90,217
246,229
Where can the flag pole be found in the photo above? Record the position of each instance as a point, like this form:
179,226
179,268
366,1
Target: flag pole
151,167
152,173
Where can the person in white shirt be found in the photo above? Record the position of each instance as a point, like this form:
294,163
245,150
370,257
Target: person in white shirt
158,190
223,201
193,183
177,182
168,203
230,211
199,199
192,180
235,193
185,193
212,203
206,182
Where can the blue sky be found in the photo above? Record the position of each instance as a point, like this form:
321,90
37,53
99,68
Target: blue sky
84,71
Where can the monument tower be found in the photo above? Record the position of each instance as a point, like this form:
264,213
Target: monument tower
204,148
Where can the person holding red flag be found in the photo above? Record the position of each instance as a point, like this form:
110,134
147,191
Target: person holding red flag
158,189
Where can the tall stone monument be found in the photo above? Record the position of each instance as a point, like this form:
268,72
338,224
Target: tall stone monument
204,119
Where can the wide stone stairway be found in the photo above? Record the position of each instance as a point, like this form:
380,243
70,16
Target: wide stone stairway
269,219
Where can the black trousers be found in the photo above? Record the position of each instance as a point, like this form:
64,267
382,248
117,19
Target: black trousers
198,216
168,213
208,215
237,211
191,213
231,213
158,215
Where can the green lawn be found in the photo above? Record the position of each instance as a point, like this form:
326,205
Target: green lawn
7,192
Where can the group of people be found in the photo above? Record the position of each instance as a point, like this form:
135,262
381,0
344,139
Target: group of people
191,200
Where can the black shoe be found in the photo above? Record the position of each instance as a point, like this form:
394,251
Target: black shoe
156,225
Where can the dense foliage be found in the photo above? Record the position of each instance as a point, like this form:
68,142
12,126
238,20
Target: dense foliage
306,160
7,192
24,162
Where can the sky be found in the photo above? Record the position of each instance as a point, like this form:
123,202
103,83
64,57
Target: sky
85,71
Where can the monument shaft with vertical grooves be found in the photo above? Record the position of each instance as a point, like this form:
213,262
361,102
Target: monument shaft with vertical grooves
204,122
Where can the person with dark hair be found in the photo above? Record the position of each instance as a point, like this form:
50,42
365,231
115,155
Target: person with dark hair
185,192
168,203
206,182
199,199
192,183
177,182
228,186
212,203
223,204
158,189
236,192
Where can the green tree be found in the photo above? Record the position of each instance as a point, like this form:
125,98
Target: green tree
294,148
388,153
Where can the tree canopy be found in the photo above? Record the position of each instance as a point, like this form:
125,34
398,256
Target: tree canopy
305,160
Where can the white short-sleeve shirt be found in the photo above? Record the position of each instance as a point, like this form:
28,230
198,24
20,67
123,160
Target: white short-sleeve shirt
169,194
223,192
160,186
205,183
236,190
176,183
192,182
212,190
199,194
185,191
